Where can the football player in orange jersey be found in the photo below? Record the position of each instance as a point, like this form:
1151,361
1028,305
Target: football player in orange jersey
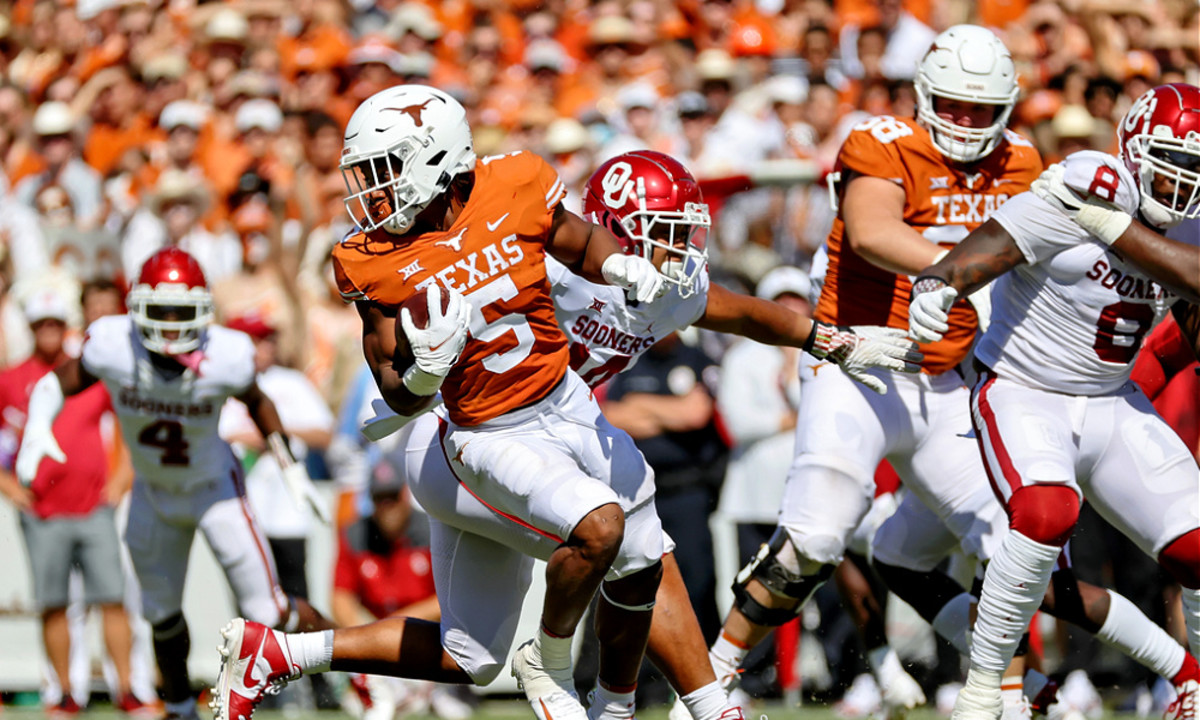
910,190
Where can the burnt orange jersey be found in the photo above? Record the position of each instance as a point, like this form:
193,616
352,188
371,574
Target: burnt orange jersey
495,255
944,202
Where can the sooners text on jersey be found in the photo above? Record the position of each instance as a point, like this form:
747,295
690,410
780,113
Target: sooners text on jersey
169,421
1072,320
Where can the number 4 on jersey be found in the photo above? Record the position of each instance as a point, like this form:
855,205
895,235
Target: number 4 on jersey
166,435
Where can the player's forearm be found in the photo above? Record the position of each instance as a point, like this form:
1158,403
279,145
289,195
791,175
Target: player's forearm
902,251
600,245
873,212
73,378
760,320
398,397
1171,263
984,255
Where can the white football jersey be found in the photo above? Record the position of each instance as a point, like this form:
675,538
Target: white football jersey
1073,319
607,334
169,421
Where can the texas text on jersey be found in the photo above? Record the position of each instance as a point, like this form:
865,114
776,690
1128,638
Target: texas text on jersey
494,254
944,202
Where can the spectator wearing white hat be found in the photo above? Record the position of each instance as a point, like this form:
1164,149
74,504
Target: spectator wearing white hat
54,127
571,152
639,118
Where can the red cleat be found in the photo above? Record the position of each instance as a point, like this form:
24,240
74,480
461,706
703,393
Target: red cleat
255,661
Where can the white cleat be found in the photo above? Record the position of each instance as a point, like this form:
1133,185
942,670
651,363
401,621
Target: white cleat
900,694
254,663
1186,700
977,703
551,693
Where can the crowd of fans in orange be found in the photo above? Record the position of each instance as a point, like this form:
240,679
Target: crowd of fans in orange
126,125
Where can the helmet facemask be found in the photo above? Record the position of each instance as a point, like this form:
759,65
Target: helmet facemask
171,317
682,234
1176,160
380,182
959,142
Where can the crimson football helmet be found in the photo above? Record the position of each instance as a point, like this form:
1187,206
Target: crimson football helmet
658,202
170,304
1160,138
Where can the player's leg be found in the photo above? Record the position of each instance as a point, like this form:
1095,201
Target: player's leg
1143,481
1025,437
840,439
676,645
480,586
159,537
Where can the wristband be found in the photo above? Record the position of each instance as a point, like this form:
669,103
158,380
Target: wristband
927,283
421,382
1104,223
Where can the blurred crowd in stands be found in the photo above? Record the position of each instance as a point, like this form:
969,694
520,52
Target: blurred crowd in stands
129,125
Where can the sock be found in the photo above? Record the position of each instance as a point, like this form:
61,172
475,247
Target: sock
1191,616
611,703
313,651
953,621
1012,690
1189,671
1013,587
1131,632
726,656
885,664
707,703
554,651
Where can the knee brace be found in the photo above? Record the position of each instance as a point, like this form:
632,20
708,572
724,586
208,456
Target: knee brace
1045,514
778,580
1181,558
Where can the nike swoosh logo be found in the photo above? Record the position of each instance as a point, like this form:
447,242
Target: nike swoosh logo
250,679
493,225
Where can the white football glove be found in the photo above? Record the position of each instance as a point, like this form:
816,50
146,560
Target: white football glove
1097,217
862,347
636,274
37,443
436,348
45,403
301,488
929,309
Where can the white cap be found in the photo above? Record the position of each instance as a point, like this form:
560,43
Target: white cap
790,89
227,25
715,64
781,280
376,52
638,95
1073,121
566,135
183,113
545,54
45,304
415,18
88,9
258,113
53,118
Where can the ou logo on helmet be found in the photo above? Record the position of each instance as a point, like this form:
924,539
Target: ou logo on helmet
617,184
1142,111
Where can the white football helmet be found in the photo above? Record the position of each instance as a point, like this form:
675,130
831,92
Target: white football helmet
967,63
402,148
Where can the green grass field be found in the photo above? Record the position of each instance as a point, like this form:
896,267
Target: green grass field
512,710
